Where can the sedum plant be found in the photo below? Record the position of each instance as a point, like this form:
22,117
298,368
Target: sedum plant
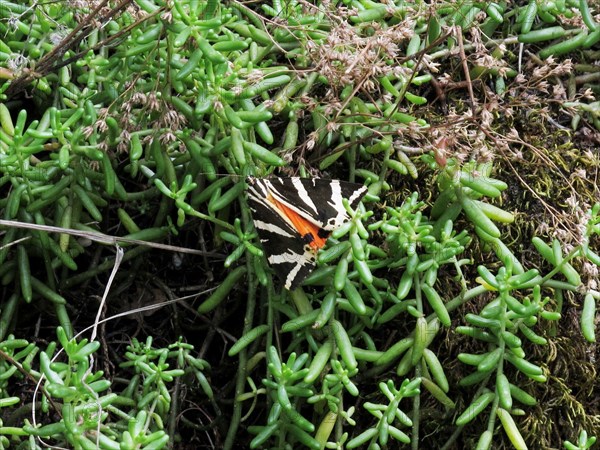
86,413
135,121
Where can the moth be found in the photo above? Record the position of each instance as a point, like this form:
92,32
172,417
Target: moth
295,216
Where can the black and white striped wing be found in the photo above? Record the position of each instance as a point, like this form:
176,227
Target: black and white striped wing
290,257
317,200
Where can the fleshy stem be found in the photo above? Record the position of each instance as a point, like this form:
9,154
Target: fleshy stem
243,356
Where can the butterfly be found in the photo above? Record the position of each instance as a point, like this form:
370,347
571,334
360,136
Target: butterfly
295,216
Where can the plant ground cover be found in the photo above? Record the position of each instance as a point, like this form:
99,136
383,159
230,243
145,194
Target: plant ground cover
457,307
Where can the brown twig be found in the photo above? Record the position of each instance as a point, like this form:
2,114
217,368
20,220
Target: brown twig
6,357
101,237
108,41
463,60
52,60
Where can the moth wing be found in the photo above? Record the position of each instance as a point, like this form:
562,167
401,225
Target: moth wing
289,256
317,200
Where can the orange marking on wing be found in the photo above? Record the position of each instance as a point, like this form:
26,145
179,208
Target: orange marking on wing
303,226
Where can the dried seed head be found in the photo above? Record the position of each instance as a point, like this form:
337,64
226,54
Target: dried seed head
168,138
17,63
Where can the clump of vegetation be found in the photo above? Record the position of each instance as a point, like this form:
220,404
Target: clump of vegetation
455,309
